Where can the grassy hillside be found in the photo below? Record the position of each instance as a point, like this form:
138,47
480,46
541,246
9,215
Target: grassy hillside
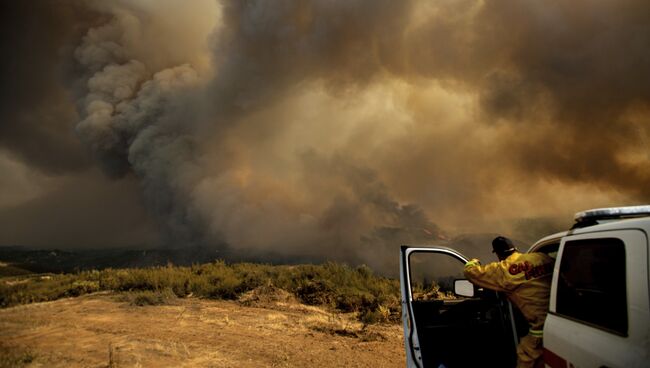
12,270
337,286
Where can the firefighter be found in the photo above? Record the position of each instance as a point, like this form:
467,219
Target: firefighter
526,279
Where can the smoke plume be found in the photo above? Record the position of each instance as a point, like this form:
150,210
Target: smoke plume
338,130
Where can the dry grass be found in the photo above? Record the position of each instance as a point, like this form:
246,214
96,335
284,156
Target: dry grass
13,358
194,332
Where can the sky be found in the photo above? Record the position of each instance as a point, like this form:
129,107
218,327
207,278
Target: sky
317,129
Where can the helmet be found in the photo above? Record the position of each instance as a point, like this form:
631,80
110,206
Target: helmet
502,245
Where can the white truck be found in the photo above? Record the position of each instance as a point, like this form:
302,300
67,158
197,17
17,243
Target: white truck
599,310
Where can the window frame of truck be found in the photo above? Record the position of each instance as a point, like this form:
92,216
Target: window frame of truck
573,342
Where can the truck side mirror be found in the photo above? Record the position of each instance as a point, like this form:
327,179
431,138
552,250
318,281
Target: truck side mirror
463,287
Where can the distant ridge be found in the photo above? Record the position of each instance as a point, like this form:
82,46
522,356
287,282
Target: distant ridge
58,261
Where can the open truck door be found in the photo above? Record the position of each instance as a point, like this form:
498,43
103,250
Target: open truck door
447,321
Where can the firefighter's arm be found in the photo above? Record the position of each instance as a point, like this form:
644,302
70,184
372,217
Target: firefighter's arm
490,276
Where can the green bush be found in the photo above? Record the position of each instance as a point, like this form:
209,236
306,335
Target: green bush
83,287
347,289
316,292
148,297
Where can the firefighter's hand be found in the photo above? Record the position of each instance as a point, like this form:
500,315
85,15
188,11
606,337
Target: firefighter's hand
473,263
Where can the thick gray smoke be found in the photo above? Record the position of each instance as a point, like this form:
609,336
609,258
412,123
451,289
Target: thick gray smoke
138,110
172,130
340,129
36,116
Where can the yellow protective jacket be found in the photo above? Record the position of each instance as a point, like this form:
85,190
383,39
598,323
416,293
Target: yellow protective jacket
524,277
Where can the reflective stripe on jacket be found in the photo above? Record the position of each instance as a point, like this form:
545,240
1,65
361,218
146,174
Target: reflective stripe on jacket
524,277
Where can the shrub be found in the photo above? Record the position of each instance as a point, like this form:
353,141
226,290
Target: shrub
347,289
370,317
148,297
318,292
83,287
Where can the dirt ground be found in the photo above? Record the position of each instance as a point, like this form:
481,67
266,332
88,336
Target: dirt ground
100,331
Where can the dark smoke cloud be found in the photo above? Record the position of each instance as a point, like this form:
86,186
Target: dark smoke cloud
36,117
587,60
81,211
320,129
267,47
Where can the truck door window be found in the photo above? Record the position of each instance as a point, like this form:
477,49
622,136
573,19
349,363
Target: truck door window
591,285
433,275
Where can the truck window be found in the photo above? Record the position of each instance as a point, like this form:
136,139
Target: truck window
433,275
591,286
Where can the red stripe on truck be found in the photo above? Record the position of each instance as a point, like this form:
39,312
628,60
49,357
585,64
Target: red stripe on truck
553,360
